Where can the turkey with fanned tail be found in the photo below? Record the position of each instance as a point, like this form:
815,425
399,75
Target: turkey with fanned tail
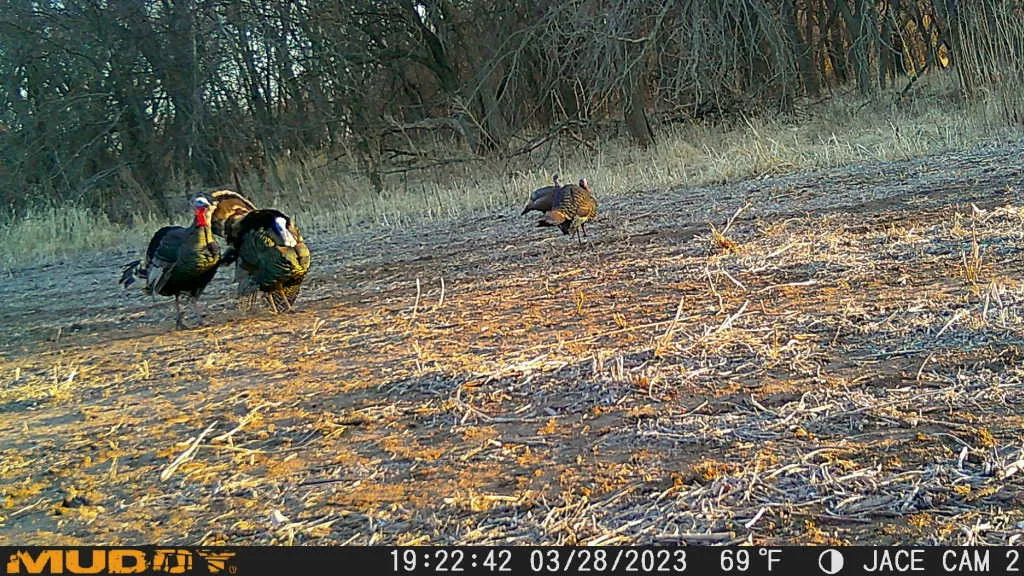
231,209
269,253
571,208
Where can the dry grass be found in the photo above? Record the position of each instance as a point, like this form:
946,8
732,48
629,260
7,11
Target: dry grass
838,131
840,361
50,234
325,197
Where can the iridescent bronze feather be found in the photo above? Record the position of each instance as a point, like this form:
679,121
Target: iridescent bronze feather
572,207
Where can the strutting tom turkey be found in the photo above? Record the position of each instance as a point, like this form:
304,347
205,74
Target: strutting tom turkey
269,253
571,208
179,260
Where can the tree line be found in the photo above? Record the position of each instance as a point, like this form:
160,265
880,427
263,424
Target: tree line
108,102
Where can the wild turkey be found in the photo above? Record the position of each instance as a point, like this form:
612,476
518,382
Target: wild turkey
572,207
271,256
542,198
179,260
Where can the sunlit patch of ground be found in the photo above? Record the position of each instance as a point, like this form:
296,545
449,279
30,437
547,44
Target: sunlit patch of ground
831,357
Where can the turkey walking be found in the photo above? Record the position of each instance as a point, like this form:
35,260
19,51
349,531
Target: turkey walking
270,253
542,198
179,260
572,207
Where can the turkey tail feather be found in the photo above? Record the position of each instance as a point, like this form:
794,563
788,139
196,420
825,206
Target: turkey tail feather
231,208
129,272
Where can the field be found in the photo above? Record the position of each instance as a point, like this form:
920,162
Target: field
827,357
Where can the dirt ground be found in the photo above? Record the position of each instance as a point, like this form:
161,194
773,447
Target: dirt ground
832,357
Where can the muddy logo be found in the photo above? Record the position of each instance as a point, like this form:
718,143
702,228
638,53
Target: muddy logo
121,561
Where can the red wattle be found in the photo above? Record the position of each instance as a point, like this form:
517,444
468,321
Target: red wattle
201,217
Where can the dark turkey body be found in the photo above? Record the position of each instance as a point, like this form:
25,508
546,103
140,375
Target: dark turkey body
178,261
265,262
188,258
541,199
272,267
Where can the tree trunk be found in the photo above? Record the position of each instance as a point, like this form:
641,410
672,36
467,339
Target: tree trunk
886,61
176,66
488,77
443,68
259,105
837,48
947,18
635,110
899,64
799,48
859,33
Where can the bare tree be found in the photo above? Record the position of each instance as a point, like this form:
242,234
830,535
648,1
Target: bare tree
133,99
